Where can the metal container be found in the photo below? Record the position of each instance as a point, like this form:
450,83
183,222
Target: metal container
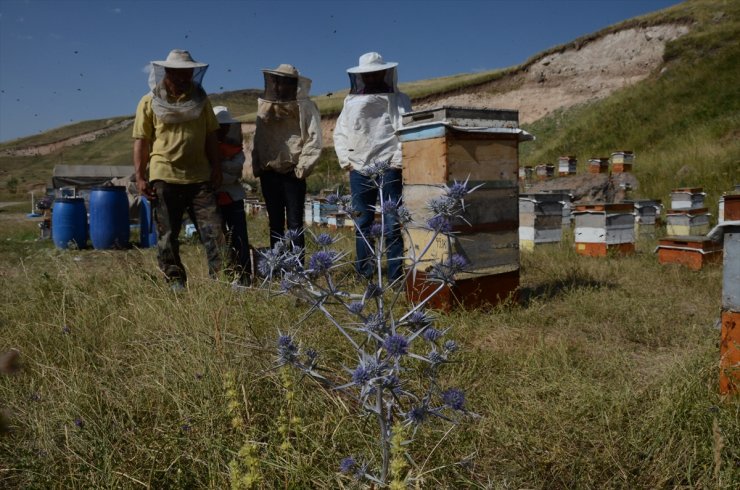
731,269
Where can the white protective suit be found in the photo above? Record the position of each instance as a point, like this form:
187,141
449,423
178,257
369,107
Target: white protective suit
366,128
287,135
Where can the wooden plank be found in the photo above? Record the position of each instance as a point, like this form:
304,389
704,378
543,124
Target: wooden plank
482,157
425,161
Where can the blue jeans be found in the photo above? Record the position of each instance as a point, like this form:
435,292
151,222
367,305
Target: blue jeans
235,230
365,195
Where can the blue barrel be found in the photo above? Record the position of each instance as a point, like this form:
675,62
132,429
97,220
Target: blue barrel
109,226
147,228
69,222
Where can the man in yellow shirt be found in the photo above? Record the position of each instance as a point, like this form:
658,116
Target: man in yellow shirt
175,140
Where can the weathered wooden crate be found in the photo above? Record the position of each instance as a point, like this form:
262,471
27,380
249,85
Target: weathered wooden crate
683,222
694,252
463,117
687,198
729,353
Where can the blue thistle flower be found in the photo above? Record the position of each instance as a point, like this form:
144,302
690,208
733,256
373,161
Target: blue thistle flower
453,398
396,345
287,350
324,240
457,191
79,422
417,415
432,334
322,261
362,374
332,199
457,262
376,230
440,224
356,307
444,206
419,319
450,346
389,206
436,358
375,323
347,465
292,235
404,215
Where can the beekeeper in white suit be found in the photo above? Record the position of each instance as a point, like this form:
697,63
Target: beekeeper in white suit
365,134
287,146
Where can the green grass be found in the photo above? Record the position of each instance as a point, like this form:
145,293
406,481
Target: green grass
605,376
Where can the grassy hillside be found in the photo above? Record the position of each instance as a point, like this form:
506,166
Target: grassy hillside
683,123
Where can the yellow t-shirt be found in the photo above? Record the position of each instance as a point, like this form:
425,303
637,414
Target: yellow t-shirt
178,154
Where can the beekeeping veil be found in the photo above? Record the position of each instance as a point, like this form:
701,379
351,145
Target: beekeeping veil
176,109
281,84
373,75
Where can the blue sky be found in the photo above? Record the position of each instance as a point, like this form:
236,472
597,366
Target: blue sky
64,61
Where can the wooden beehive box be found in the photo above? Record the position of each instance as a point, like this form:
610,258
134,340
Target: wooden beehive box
604,227
693,252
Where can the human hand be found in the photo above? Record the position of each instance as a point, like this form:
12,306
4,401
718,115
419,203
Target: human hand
145,189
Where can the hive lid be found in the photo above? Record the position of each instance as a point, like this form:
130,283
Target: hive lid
464,117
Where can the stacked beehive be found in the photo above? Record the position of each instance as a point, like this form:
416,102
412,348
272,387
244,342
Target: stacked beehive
687,215
730,337
444,145
605,227
567,165
540,219
597,165
622,161
647,216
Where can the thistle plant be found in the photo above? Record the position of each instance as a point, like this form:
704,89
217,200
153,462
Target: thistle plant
390,340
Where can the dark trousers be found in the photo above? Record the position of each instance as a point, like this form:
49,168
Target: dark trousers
364,197
235,229
199,201
284,198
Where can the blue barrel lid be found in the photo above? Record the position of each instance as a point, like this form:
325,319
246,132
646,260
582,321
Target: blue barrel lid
116,188
69,199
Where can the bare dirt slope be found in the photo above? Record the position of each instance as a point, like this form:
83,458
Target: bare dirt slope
564,79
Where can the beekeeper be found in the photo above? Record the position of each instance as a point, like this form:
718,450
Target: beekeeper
287,146
176,160
365,133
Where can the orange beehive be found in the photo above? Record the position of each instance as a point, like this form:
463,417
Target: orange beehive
693,252
468,293
729,352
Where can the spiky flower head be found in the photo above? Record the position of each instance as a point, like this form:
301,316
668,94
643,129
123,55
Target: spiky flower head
396,345
453,398
287,350
389,206
417,415
404,215
324,240
322,261
376,169
375,323
432,334
419,319
347,465
439,224
458,190
332,199
376,230
450,346
356,307
444,206
373,290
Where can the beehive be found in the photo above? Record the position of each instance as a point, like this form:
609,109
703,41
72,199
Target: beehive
622,161
601,228
598,165
694,252
540,219
687,198
729,353
567,165
438,153
647,216
321,211
683,222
